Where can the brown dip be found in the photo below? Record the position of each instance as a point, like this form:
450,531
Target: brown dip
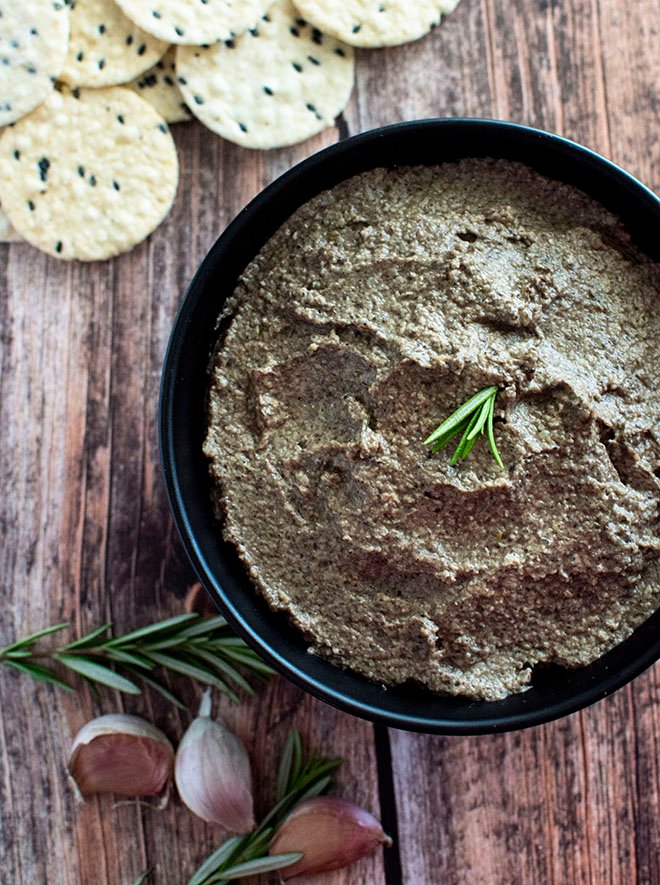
376,310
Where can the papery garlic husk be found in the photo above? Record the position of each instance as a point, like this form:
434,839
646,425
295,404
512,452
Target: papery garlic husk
121,754
331,833
212,773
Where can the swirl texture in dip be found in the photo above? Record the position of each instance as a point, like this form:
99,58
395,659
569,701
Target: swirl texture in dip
376,310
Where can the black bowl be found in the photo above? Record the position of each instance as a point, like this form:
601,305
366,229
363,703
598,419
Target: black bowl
555,691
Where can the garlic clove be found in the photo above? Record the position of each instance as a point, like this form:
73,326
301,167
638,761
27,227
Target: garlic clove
198,601
212,773
120,754
331,833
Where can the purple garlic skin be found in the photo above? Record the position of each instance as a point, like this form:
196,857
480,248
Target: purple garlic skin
212,773
331,833
121,754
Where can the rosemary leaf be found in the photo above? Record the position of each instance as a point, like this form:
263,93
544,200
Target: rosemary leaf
259,841
306,781
459,452
279,810
214,861
87,640
33,637
177,665
244,657
98,673
484,412
473,418
172,642
317,788
152,629
230,642
131,659
297,762
469,445
224,669
447,437
284,770
491,436
206,625
258,866
36,671
163,691
93,688
461,413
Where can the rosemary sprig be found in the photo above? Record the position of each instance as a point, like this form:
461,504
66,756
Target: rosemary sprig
203,649
471,419
298,779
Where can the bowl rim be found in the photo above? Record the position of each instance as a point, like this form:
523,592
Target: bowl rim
175,490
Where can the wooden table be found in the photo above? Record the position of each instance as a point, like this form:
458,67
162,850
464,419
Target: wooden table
87,537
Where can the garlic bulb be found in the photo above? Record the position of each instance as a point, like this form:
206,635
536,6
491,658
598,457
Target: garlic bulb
120,754
212,773
331,833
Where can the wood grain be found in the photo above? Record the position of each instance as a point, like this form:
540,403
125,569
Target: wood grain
86,534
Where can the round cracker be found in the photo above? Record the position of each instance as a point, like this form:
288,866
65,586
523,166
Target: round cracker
34,36
158,86
195,22
7,232
278,84
89,174
374,23
106,48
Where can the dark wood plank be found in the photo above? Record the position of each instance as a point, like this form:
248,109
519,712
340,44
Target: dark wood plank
573,801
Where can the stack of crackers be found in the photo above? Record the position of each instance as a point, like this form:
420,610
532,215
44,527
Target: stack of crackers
88,167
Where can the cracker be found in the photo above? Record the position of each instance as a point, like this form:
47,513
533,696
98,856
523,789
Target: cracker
278,84
34,36
106,48
158,86
7,232
195,22
89,174
373,23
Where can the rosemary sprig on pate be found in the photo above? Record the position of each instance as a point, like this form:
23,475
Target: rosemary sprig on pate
204,649
471,419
